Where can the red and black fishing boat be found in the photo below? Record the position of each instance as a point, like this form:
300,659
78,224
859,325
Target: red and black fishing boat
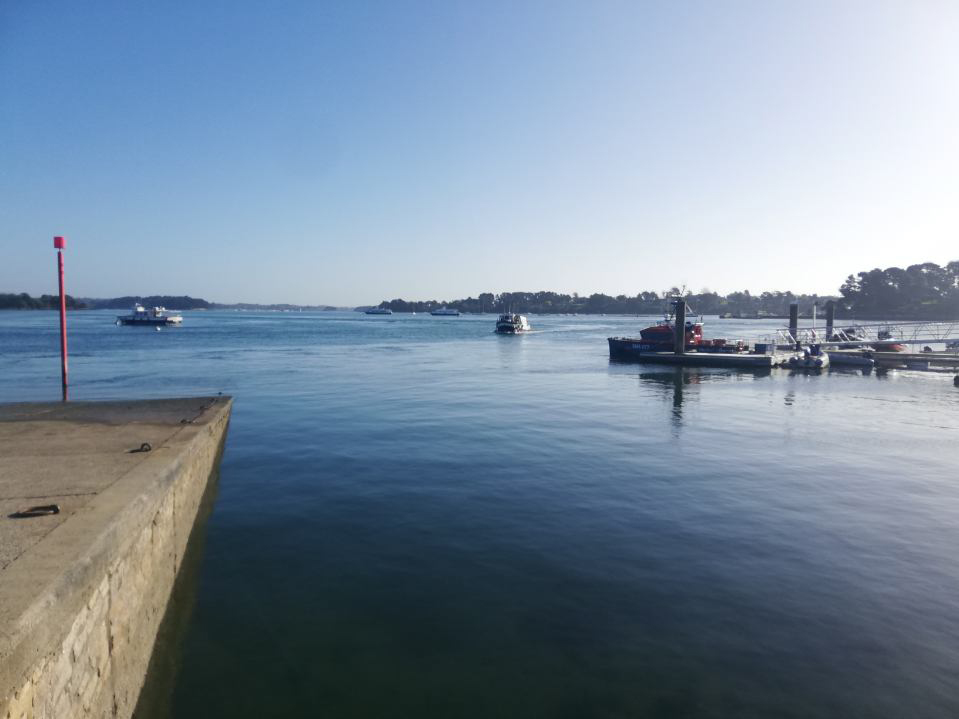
660,338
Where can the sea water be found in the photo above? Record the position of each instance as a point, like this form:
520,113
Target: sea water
415,517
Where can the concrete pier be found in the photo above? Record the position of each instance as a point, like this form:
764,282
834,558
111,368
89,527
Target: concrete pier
944,360
83,591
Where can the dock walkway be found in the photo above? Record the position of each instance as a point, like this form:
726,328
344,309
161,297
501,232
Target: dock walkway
83,591
710,359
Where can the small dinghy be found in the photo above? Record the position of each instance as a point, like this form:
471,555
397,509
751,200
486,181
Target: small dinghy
811,358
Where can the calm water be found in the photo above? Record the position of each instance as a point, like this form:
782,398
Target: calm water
417,518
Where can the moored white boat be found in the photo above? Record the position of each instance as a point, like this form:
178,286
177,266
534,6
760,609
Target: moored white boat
157,317
445,312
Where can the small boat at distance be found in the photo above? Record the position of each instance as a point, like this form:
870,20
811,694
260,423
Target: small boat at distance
511,323
157,317
379,311
445,312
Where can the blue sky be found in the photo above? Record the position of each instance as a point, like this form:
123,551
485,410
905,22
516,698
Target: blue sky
350,152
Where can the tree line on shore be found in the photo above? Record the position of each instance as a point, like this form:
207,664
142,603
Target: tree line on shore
925,291
23,301
182,302
767,304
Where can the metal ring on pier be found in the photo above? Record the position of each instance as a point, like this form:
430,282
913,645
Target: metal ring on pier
40,510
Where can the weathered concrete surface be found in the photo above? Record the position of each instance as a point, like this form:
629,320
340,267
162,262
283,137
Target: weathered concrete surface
83,592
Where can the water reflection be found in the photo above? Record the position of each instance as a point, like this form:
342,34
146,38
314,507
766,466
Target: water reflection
680,384
510,349
674,383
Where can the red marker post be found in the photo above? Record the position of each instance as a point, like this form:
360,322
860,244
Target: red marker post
59,243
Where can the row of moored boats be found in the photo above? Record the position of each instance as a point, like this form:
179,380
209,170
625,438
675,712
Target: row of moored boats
848,346
438,312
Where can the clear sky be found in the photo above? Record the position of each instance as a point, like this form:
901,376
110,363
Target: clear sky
350,152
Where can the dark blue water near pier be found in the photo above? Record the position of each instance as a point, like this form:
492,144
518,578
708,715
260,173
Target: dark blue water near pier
417,518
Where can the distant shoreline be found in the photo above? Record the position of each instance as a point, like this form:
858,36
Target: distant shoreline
840,318
180,303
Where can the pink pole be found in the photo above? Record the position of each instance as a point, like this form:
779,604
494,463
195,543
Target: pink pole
59,243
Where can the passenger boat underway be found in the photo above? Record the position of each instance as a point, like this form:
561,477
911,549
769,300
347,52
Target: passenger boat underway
511,324
379,311
445,312
157,317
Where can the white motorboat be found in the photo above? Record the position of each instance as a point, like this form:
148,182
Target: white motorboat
379,311
445,312
157,317
511,323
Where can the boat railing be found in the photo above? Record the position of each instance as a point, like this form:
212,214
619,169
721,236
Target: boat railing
917,333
